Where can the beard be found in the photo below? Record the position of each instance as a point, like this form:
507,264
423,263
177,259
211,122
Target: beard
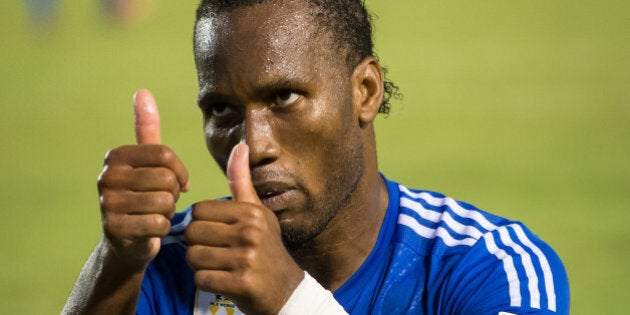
342,178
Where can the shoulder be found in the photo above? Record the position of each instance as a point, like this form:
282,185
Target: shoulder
479,262
432,221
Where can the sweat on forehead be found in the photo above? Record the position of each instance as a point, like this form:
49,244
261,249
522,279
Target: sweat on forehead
347,22
259,30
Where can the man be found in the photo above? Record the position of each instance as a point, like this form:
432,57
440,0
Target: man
289,91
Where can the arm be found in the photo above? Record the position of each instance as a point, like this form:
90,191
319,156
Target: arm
105,285
138,189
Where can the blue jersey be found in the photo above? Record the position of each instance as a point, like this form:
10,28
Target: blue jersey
434,255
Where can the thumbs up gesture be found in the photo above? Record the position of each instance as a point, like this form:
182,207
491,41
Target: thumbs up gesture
138,188
236,248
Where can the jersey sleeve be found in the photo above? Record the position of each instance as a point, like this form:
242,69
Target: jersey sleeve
508,271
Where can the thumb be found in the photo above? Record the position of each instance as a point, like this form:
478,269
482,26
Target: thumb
147,120
238,176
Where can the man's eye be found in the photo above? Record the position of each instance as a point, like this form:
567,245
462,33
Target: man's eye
286,98
221,110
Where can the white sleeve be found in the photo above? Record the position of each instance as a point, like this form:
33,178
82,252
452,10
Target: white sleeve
311,298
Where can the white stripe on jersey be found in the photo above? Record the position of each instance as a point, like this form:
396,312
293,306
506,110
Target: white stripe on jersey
437,217
176,234
508,267
174,239
181,226
451,203
527,264
472,234
433,233
544,264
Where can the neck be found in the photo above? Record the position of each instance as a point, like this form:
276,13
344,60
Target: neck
337,253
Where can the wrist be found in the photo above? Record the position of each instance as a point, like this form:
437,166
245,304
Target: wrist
311,298
120,262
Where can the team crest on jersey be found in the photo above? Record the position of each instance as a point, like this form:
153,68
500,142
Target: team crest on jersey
207,303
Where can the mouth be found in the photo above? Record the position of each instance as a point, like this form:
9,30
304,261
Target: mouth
275,195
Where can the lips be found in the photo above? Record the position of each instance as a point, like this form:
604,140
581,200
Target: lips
275,195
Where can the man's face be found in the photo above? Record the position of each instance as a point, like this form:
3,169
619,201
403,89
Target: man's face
268,77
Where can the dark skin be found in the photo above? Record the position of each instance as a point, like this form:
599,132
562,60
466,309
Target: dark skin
267,80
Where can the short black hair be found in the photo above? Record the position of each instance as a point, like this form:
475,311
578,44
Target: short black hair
348,22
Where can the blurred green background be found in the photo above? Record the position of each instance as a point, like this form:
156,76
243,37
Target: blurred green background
519,107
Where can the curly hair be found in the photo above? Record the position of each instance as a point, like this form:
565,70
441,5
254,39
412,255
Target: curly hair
347,21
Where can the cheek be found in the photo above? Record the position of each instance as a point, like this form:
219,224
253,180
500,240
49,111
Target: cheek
220,141
320,141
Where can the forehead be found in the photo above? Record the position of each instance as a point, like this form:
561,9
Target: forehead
263,38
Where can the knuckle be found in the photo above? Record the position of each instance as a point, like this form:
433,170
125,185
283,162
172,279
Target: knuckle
164,154
244,279
196,257
168,177
253,216
191,256
112,176
203,280
247,258
195,213
109,156
111,224
191,234
250,236
113,156
108,201
162,224
199,210
164,200
105,178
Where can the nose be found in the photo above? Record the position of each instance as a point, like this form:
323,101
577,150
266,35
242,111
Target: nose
259,136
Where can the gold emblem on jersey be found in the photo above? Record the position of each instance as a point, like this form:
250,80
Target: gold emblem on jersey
221,302
207,303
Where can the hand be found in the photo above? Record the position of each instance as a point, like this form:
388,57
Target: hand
138,188
236,248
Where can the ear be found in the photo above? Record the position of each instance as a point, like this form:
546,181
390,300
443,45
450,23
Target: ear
367,89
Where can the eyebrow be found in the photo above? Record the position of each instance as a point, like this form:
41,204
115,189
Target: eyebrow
283,83
211,97
263,90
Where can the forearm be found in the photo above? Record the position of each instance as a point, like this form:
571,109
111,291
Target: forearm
105,286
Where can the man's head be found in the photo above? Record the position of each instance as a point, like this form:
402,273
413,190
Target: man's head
276,75
346,21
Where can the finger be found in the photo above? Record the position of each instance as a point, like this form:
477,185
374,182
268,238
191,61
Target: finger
154,179
224,211
217,281
213,234
238,176
129,202
210,258
140,179
136,226
146,156
147,118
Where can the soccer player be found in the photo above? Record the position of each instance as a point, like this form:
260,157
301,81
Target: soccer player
289,91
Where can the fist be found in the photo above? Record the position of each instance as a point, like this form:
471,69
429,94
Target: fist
139,186
236,248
